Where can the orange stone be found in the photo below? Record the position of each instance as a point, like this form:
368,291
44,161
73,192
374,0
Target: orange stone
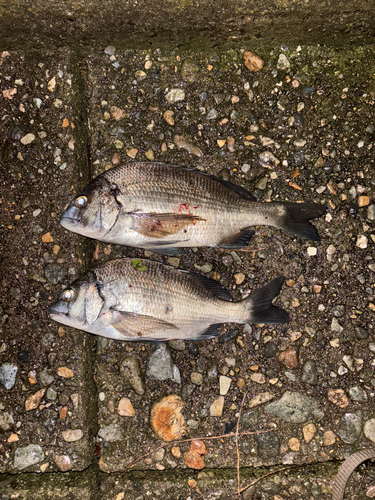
289,358
47,238
194,457
65,372
252,61
166,418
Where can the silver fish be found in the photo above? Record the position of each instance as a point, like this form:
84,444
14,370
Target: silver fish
158,206
137,299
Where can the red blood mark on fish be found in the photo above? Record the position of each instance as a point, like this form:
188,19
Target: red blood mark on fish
183,205
196,207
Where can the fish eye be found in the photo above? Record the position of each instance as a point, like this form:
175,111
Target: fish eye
67,295
81,201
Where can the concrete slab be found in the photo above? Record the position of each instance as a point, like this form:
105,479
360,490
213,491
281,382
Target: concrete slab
315,374
46,381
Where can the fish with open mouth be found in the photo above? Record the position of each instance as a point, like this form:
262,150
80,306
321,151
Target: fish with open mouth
137,299
157,207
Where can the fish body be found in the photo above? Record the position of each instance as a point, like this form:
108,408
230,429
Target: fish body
134,299
159,206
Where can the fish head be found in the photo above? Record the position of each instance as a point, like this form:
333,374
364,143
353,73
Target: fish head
80,304
94,211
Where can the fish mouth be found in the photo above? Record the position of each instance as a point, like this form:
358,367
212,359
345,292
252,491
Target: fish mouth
58,310
70,218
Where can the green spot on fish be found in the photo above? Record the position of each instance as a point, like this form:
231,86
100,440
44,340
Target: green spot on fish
138,266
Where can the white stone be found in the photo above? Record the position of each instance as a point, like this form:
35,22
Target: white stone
224,383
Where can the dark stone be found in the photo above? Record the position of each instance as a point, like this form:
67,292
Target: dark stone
54,273
268,444
193,349
24,356
361,333
270,350
229,426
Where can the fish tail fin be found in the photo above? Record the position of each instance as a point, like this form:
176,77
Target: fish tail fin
259,304
296,219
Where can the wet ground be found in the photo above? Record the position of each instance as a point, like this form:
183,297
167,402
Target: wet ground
302,394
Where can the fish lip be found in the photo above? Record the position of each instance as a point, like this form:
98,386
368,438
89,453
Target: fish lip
67,222
71,217
58,309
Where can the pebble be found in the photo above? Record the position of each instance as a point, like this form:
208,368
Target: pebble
270,350
181,142
178,345
13,438
309,372
239,278
65,372
6,421
63,462
33,401
289,358
268,444
294,444
27,139
356,393
369,429
175,95
311,251
224,383
195,454
299,143
252,61
130,370
187,391
196,378
51,394
176,375
293,407
169,117
361,241
338,398
54,273
125,408
335,326
361,333
160,364
216,408
352,427
8,374
212,114
204,268
282,62
29,455
258,378
110,50
167,419
363,201
268,160
110,433
329,438
371,212
260,399
309,432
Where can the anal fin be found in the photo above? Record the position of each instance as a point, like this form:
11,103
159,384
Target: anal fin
239,240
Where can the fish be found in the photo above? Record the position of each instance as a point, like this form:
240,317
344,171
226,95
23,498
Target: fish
143,300
157,206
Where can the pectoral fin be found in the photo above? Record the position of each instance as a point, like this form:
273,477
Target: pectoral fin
162,225
140,325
